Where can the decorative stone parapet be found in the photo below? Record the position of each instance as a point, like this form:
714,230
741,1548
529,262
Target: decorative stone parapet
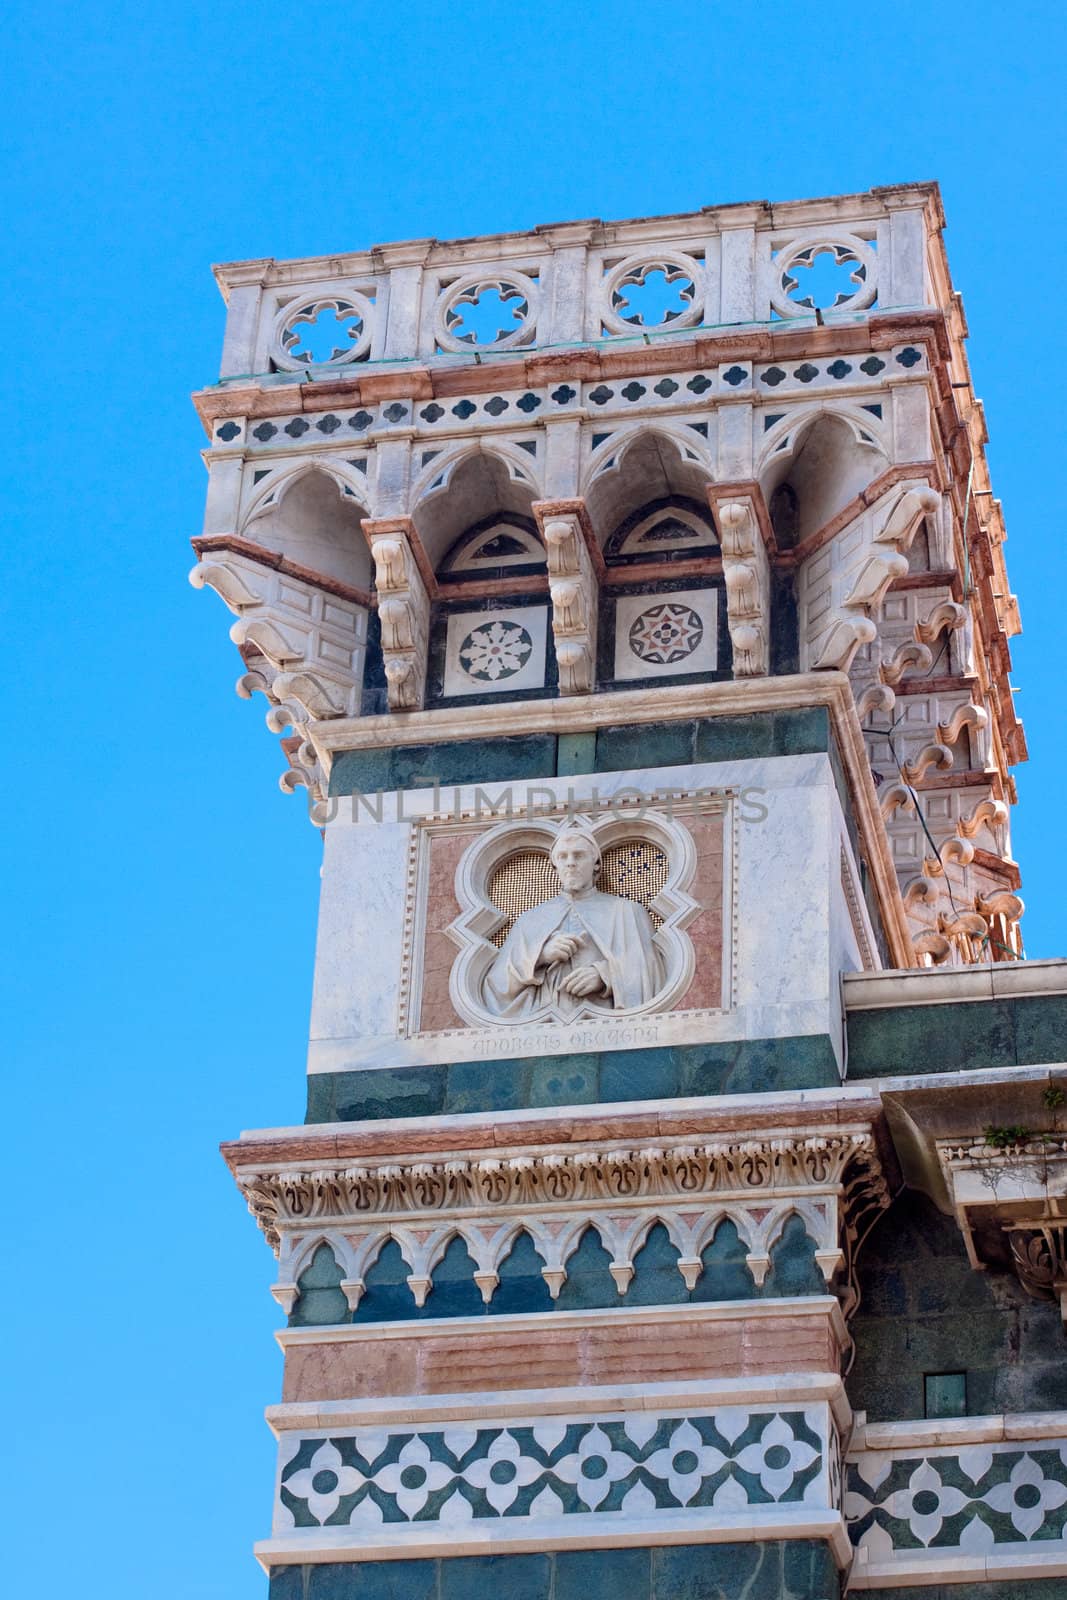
566,282
972,1498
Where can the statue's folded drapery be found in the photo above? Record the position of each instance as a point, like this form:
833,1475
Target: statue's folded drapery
615,938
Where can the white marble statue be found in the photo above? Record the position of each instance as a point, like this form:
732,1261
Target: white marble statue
580,949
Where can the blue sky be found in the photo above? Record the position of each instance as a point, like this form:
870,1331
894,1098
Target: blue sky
162,891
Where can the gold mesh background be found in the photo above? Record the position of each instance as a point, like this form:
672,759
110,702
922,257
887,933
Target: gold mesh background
633,868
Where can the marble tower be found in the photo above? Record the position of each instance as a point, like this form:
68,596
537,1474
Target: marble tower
679,1212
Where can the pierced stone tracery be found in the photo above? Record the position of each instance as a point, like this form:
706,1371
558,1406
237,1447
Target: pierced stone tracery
653,292
333,330
487,311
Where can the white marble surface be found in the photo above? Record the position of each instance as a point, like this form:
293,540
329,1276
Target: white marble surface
791,936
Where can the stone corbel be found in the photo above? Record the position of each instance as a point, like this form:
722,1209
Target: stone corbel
575,592
403,610
305,771
946,615
988,813
1001,904
910,657
883,561
898,797
919,891
965,716
931,755
934,945
876,700
954,852
968,923
746,571
286,1295
304,645
1039,1256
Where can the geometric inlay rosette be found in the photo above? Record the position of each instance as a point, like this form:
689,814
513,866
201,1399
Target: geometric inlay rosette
665,634
502,650
732,1460
495,650
661,636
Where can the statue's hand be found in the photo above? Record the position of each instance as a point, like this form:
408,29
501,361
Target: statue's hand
582,981
560,947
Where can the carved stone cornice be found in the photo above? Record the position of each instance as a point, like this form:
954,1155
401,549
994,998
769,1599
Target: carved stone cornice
554,1177
830,1177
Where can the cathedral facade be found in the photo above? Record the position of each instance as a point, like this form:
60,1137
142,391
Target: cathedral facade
679,1212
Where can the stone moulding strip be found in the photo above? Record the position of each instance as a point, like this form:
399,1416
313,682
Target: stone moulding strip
793,1388
850,1108
928,1433
451,1327
800,691
997,980
559,1533
245,395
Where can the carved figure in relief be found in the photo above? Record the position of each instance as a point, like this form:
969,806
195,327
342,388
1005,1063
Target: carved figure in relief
581,947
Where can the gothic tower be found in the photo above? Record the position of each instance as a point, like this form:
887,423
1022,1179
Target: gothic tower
630,601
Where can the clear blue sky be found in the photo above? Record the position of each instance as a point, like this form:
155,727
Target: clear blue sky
163,892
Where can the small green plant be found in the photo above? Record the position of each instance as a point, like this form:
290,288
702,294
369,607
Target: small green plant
1001,1138
1054,1097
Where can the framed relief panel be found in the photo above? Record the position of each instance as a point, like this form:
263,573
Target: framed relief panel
565,922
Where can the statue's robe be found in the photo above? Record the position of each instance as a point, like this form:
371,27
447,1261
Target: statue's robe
615,939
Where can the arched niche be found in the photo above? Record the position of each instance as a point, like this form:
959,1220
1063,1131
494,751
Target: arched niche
475,520
316,523
832,460
648,501
489,623
504,544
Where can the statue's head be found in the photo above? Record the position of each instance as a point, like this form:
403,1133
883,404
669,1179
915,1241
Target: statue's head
576,858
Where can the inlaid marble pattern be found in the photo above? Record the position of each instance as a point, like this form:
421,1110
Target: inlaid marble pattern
667,634
495,650
732,1460
981,1504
